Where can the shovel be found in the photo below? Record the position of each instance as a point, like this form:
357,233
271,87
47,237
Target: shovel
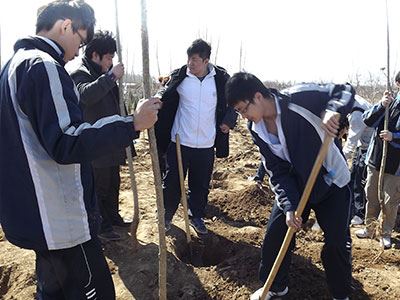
303,201
195,253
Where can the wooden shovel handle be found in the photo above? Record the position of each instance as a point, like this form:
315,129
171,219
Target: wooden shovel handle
303,201
183,192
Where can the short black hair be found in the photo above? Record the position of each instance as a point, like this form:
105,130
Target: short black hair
243,86
80,13
103,42
397,78
200,47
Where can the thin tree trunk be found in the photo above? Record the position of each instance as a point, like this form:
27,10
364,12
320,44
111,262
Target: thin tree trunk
135,221
385,127
158,62
240,56
216,52
162,277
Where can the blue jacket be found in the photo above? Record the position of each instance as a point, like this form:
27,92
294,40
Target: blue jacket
47,199
288,179
374,117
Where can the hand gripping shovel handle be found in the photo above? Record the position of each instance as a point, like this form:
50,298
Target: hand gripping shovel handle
183,192
303,201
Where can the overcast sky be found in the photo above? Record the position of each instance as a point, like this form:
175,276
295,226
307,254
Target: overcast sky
287,40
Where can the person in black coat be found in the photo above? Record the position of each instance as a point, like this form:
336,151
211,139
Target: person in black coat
96,81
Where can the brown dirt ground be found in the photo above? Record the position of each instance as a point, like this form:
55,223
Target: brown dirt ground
237,213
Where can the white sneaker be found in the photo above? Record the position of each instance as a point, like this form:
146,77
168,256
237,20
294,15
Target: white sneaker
347,298
271,295
386,242
316,227
356,220
363,234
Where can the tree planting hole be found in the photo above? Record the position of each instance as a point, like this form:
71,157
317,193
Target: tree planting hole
205,251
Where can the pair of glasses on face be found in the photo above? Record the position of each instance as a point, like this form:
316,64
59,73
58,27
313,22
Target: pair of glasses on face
244,110
83,41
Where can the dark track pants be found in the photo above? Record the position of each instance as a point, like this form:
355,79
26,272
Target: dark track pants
333,216
198,163
357,184
75,273
107,181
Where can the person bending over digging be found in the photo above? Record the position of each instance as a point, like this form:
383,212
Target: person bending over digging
288,128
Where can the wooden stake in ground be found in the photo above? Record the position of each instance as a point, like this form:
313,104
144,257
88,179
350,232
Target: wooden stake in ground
162,278
135,220
183,193
381,190
300,208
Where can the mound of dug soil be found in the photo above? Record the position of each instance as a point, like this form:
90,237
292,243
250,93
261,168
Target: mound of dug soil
251,206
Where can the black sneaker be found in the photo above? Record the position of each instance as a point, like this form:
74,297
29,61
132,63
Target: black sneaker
119,222
198,225
109,236
122,223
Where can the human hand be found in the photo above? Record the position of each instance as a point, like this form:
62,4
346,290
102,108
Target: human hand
386,99
224,128
118,70
293,221
330,123
146,113
386,135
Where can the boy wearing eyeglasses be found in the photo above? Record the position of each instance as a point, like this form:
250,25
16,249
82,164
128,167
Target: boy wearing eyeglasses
47,200
288,128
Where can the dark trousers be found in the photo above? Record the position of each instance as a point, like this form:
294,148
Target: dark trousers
333,216
75,273
357,184
260,172
198,164
107,181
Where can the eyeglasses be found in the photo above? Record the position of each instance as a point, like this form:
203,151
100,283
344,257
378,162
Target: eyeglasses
244,110
83,40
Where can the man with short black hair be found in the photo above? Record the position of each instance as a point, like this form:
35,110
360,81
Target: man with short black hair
288,128
99,97
194,107
47,200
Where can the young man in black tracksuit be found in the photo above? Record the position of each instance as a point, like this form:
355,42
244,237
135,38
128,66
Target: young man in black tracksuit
47,200
96,82
194,107
288,129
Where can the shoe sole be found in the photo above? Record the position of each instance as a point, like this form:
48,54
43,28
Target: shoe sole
199,232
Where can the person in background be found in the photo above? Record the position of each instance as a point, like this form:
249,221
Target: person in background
47,199
288,129
375,117
194,106
96,80
355,150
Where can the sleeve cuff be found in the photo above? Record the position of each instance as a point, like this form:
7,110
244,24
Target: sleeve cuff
111,75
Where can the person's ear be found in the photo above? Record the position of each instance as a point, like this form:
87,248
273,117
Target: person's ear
257,97
95,57
66,24
206,60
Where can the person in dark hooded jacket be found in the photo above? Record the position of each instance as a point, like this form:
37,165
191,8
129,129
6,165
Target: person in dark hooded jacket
96,82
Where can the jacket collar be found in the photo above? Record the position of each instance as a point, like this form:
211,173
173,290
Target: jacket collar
43,44
94,68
